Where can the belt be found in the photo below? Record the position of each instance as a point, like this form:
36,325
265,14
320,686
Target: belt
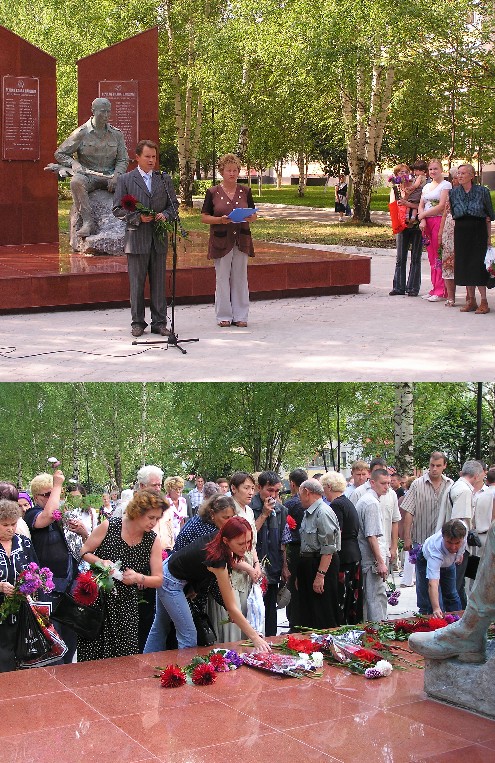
313,554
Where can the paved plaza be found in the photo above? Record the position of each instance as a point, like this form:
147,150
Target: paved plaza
361,337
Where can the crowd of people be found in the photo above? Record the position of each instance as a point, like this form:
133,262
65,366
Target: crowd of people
452,219
333,544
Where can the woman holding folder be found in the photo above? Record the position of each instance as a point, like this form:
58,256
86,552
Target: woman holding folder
230,243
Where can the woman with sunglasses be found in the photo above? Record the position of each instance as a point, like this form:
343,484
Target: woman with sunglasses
48,536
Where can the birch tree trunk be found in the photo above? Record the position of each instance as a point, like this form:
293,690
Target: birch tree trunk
188,105
301,165
404,427
365,108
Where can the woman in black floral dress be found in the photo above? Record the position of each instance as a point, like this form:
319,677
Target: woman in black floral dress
130,540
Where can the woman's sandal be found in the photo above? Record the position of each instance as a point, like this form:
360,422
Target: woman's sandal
450,303
240,324
224,324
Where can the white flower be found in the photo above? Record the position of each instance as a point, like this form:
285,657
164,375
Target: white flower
384,667
317,658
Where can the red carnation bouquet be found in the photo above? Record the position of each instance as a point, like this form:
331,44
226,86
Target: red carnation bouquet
291,522
131,204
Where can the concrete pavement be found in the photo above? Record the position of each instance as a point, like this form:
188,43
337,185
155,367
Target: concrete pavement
361,337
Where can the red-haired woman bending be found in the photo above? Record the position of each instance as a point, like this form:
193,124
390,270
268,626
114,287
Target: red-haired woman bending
192,570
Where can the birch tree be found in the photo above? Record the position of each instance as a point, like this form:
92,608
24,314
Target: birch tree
404,427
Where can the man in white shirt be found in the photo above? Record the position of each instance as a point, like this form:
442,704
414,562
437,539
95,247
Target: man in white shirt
360,473
484,510
460,506
373,563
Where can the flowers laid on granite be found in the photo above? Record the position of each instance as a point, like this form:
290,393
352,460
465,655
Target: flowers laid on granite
393,593
294,665
87,585
382,668
201,671
131,204
400,630
29,582
172,677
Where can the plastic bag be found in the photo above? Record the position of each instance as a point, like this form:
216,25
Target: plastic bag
57,646
490,261
256,608
31,641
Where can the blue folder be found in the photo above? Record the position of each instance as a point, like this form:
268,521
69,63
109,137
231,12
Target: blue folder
240,214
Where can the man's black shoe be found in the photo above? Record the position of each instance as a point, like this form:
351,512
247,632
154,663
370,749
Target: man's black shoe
137,331
162,330
395,293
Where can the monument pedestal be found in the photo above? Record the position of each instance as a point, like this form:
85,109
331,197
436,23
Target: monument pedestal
108,235
462,684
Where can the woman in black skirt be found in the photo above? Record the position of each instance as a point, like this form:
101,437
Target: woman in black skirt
472,210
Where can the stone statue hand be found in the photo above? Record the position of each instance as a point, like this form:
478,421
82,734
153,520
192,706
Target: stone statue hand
77,167
112,182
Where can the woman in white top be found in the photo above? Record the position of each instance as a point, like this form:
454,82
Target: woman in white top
245,572
174,487
433,199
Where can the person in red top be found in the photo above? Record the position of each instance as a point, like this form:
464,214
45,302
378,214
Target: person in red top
230,243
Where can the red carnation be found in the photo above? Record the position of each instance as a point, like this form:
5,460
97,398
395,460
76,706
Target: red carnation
366,655
86,589
203,675
291,522
219,663
404,625
172,677
437,622
128,202
301,645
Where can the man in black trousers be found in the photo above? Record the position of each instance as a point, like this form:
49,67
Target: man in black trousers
146,250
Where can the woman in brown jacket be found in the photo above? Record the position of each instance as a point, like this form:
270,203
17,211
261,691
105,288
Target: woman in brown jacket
230,243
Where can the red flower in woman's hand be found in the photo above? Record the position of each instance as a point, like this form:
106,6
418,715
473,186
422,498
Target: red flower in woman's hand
128,202
86,589
203,675
291,522
172,677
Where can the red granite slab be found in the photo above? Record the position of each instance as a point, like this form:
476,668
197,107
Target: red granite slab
45,276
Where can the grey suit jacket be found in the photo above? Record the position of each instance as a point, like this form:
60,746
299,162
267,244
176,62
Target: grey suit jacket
138,235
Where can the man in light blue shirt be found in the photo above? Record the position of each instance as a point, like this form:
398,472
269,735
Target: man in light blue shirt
436,569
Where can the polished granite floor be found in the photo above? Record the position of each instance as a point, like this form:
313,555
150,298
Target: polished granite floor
114,710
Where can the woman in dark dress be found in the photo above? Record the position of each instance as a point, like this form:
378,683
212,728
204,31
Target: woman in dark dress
16,552
130,540
193,570
472,209
350,580
230,243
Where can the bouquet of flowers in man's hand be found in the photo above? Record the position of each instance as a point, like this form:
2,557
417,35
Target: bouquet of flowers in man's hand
28,583
87,585
131,204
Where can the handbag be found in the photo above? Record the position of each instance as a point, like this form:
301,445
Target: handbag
204,628
472,567
87,622
31,642
57,646
473,539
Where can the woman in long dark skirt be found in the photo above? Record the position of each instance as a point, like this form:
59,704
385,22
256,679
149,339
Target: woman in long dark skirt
472,210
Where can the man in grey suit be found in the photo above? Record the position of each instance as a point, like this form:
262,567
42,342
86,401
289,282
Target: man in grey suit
146,251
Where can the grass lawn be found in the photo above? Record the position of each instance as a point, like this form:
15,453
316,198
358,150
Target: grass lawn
298,231
314,196
307,231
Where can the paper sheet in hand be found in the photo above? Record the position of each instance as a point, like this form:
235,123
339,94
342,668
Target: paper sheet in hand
240,214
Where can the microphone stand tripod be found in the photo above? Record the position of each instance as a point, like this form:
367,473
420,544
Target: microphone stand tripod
172,340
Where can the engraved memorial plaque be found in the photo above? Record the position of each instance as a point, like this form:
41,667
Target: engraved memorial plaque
123,95
21,118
